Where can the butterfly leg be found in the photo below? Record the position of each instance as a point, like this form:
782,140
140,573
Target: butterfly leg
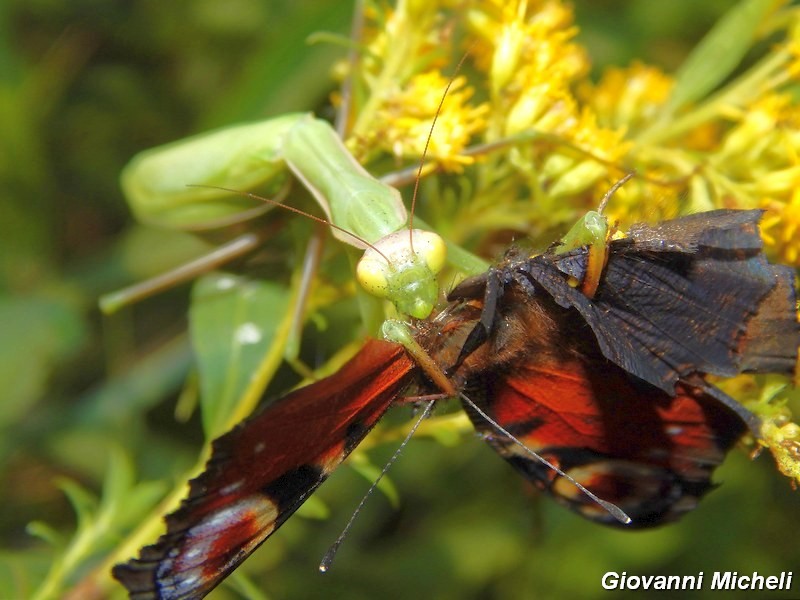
492,294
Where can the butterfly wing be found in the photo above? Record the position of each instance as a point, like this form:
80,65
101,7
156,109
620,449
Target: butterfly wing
260,472
617,398
630,443
691,295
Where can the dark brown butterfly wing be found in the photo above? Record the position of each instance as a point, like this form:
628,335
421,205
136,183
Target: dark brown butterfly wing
691,295
616,398
262,471
630,443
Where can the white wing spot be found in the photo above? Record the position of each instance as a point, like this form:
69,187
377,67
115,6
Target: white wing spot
250,508
230,488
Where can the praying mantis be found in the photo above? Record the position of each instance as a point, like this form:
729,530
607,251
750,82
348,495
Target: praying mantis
399,264
362,210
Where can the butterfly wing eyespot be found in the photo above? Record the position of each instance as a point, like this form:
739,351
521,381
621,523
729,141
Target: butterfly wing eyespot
260,472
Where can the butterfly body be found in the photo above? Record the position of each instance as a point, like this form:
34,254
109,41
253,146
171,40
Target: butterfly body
609,388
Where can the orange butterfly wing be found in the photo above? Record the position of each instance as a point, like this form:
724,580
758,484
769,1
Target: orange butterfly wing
625,440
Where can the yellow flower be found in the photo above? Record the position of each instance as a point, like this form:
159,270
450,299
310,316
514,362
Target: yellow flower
601,146
782,437
781,226
627,98
756,139
404,120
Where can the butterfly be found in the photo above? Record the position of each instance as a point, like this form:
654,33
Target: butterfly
609,387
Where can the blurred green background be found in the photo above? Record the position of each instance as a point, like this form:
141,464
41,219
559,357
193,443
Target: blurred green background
86,84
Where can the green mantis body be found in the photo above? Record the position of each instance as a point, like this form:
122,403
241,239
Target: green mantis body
179,186
399,264
363,211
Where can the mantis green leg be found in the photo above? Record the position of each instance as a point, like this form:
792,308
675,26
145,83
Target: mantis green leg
399,266
592,231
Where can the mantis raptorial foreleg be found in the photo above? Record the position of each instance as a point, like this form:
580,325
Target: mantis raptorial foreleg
363,211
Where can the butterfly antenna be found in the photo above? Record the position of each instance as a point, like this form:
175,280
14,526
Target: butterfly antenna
253,196
327,560
612,509
613,190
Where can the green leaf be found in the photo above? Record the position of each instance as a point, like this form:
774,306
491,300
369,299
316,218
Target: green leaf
83,502
314,508
45,532
238,336
285,75
719,53
100,523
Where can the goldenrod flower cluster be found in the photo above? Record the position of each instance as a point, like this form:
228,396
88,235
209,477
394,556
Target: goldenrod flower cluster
543,143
